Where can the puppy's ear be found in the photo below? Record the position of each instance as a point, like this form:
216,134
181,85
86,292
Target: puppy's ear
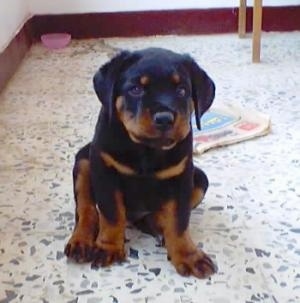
203,89
105,80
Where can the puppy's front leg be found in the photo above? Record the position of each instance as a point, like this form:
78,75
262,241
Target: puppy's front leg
80,246
109,245
185,256
111,236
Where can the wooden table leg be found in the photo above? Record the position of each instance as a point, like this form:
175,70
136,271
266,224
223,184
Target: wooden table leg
257,23
242,18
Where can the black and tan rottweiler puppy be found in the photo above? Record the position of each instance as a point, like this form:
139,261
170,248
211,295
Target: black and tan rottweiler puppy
139,167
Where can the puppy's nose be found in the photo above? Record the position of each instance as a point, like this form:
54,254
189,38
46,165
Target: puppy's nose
164,120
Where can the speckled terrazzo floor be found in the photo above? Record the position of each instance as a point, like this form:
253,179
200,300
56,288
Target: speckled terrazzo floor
250,219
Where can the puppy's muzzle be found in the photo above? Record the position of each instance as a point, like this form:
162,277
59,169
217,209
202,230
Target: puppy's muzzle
164,120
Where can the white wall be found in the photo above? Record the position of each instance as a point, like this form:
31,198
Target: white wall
13,15
83,6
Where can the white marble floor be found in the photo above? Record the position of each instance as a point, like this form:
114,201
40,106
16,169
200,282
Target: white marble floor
250,219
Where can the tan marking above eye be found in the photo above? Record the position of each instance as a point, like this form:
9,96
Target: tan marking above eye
144,80
176,78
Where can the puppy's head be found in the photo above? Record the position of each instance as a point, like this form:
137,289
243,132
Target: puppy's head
153,93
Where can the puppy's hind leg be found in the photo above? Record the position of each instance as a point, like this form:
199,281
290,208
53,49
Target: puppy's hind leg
200,187
81,244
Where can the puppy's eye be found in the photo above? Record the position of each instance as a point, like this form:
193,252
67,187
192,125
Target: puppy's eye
181,91
136,91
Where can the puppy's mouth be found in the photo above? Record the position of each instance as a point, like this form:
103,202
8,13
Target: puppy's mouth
162,142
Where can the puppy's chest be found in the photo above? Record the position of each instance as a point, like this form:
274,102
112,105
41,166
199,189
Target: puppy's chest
147,180
142,196
146,165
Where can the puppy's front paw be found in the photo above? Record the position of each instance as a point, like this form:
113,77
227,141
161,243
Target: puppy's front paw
80,249
195,263
105,256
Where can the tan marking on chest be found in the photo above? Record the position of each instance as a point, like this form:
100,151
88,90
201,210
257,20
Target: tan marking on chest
172,171
120,167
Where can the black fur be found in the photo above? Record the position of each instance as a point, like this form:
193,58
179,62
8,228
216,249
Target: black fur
144,193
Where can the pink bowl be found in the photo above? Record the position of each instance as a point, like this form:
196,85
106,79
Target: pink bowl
56,40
